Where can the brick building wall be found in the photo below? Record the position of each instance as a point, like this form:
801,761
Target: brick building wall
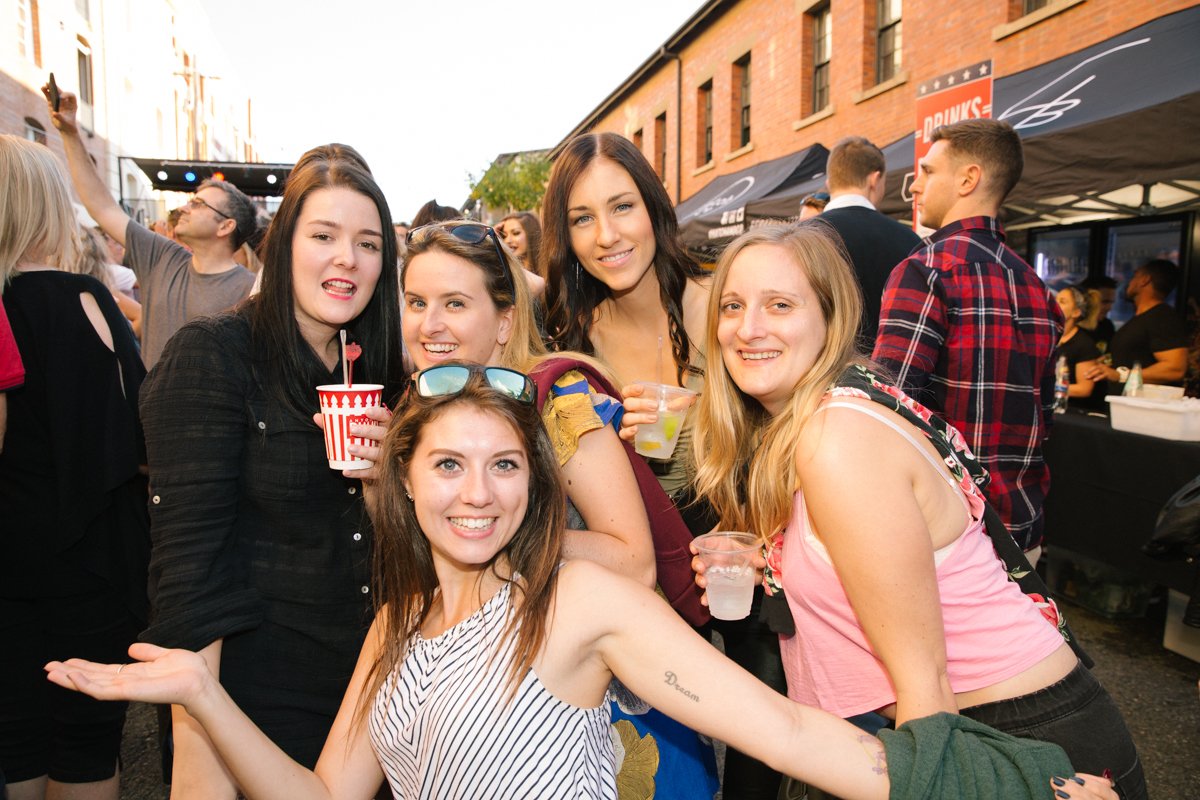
936,37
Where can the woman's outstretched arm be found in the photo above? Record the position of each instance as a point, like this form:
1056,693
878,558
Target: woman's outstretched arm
346,770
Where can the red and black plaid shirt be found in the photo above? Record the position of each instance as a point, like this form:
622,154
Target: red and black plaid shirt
969,330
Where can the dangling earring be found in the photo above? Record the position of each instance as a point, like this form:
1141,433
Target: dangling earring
578,274
409,496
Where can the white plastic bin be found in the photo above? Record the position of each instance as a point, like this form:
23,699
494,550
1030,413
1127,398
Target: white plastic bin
1167,419
1177,637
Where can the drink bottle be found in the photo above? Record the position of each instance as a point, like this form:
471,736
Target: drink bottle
1062,385
1133,384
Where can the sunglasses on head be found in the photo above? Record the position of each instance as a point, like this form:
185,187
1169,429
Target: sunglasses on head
450,379
468,232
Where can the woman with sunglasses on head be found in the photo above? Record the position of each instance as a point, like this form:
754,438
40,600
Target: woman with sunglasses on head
486,668
619,278
466,299
902,600
261,551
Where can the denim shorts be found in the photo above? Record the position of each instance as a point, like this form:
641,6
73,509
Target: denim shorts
1079,716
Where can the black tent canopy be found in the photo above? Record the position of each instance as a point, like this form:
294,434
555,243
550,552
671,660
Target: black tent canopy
1124,112
715,214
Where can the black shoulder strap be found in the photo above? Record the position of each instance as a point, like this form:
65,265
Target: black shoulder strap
948,442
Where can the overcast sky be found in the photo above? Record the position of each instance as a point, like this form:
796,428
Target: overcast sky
429,93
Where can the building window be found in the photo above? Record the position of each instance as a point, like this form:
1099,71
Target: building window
704,104
34,131
741,82
822,50
887,40
660,145
637,139
84,61
1030,6
28,44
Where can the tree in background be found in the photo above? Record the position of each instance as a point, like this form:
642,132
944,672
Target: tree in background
513,182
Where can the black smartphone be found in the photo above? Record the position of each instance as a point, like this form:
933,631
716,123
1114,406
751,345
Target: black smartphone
55,97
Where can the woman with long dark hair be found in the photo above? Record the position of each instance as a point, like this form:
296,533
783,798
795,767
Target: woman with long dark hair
261,551
619,279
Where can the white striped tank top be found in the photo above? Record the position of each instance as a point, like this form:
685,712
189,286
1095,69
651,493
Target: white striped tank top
441,725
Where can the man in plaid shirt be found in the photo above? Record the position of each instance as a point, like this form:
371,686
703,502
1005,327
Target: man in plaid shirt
968,328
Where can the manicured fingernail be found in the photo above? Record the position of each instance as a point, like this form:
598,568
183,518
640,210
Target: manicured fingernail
1058,781
1062,794
1107,775
1077,779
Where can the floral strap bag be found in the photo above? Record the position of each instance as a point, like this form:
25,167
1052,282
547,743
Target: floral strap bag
857,381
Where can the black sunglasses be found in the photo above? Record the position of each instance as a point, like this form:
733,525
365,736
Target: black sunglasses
468,232
450,379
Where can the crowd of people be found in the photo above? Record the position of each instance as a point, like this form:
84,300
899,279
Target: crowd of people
505,603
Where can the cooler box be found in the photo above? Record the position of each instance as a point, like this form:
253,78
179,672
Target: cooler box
1166,419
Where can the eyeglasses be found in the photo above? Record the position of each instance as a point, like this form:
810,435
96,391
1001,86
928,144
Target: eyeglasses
468,232
196,202
450,379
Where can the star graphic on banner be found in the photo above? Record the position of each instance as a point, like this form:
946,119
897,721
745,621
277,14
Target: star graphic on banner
949,80
983,69
966,76
937,84
924,88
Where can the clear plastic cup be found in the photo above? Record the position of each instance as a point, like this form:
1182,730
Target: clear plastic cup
341,407
658,439
729,571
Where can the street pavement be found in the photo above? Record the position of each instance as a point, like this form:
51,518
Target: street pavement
1155,689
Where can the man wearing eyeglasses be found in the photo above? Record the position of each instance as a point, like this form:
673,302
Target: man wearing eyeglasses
177,283
855,174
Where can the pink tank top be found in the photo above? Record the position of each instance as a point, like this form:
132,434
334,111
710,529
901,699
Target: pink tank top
993,631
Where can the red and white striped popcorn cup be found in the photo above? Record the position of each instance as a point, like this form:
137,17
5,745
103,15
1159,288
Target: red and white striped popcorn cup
341,407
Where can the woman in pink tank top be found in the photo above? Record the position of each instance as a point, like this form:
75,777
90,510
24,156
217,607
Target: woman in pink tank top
900,604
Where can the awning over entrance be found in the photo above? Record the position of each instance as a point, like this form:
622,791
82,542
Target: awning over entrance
1122,113
256,180
1125,111
715,214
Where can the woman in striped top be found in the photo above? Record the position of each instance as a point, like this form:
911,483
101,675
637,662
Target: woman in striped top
485,673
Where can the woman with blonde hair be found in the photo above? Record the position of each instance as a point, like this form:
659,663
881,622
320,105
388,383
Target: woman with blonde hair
75,543
875,515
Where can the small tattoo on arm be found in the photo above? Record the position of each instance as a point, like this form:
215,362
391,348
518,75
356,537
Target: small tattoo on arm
670,679
874,749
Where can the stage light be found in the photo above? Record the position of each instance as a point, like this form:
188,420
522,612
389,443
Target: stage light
189,176
271,179
218,176
162,174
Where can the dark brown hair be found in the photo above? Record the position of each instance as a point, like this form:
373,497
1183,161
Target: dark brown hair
571,293
287,364
533,236
993,144
403,572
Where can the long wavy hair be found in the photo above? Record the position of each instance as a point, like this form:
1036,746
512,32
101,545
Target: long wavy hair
533,236
745,457
284,360
572,295
37,219
525,348
403,571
